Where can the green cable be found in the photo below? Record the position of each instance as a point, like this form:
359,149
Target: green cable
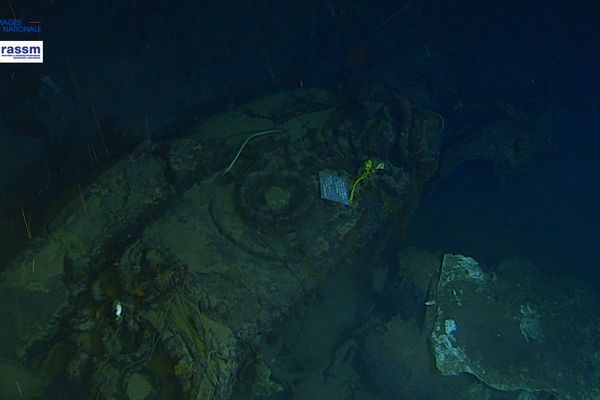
368,168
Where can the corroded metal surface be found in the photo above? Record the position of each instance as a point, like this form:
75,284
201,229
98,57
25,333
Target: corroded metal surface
168,277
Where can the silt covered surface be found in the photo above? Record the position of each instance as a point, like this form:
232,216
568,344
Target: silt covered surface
505,328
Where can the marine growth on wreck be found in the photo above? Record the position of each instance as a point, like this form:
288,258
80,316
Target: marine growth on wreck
297,201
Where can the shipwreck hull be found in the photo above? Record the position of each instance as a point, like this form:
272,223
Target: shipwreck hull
162,278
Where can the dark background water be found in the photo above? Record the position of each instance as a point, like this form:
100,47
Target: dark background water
550,212
143,65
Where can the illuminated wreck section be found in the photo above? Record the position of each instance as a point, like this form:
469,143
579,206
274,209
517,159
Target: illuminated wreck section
165,282
515,329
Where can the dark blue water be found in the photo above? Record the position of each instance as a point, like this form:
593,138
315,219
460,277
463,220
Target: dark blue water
545,53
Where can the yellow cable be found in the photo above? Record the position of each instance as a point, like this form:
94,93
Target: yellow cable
367,171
